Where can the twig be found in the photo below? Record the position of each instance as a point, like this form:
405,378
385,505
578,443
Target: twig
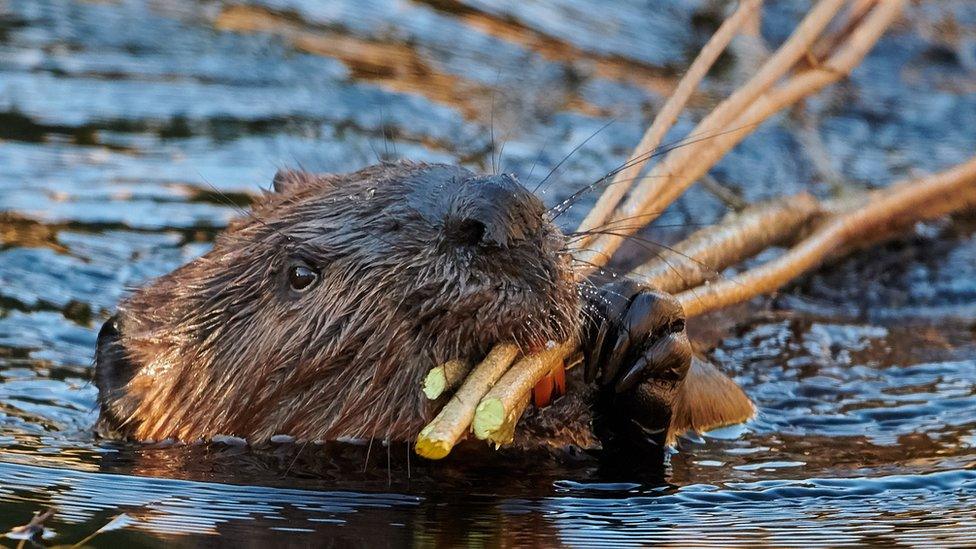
500,404
667,180
668,114
704,254
505,434
446,377
33,530
802,85
440,435
829,42
725,195
903,203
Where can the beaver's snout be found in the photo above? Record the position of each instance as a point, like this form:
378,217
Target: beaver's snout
493,211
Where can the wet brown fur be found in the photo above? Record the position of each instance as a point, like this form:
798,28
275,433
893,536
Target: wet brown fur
223,345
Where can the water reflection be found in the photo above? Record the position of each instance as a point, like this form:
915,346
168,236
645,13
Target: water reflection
930,509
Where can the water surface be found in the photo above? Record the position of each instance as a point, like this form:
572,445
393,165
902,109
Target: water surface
130,132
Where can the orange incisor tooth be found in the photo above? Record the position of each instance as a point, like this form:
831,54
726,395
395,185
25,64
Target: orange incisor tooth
559,377
550,387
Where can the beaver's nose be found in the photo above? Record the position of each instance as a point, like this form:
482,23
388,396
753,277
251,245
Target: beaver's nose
493,210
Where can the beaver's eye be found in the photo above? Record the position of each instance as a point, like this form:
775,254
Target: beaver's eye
302,277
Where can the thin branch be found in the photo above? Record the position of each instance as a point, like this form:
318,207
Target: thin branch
668,114
446,377
906,202
686,165
501,405
440,435
707,252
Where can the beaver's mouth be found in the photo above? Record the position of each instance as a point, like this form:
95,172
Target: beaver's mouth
512,311
533,340
534,318
526,294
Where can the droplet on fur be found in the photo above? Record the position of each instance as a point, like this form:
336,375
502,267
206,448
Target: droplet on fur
229,440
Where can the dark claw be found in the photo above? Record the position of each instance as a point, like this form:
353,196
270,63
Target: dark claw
607,307
637,346
649,315
669,357
593,357
633,375
620,348
630,323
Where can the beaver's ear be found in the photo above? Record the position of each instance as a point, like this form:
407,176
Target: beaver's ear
285,179
708,399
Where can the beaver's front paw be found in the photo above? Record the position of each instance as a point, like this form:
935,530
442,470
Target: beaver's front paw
637,348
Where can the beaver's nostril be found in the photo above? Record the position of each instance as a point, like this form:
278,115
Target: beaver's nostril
493,212
469,232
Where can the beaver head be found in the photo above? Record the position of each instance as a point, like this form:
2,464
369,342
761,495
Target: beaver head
318,314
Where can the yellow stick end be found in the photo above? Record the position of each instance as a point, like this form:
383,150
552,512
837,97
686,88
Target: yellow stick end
431,449
434,383
488,417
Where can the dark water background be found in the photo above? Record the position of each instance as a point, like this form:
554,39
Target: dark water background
120,121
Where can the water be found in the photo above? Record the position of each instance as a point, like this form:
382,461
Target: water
121,120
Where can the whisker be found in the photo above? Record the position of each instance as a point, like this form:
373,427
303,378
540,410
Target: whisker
389,465
244,212
647,244
652,215
570,201
491,124
538,158
295,459
501,152
571,153
372,147
602,269
657,151
369,448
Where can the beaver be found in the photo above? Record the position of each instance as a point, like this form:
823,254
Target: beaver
318,314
